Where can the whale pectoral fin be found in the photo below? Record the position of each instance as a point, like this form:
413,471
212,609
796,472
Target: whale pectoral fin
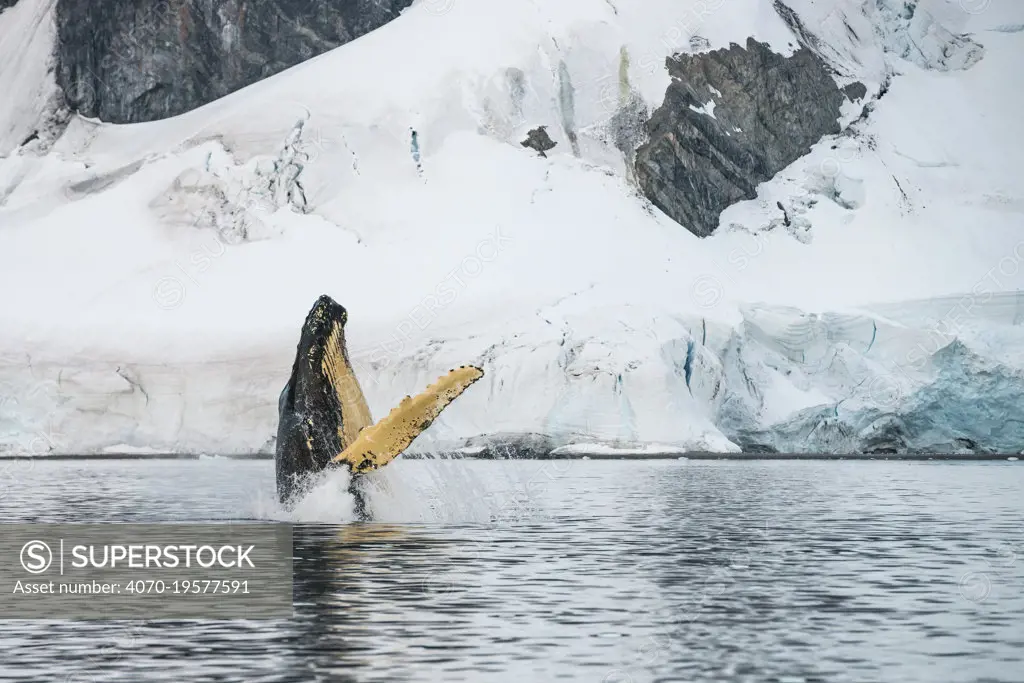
378,445
355,412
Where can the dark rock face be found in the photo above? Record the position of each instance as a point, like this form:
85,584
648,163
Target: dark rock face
731,120
126,61
4,4
539,140
310,412
855,91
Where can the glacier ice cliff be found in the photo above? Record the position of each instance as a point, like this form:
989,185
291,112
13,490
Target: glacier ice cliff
894,381
901,383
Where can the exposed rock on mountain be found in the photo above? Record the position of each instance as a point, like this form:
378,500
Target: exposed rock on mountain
855,91
731,120
539,140
126,61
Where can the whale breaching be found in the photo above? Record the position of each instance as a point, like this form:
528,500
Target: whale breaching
324,419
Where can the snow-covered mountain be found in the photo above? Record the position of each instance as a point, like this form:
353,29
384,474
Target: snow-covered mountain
156,275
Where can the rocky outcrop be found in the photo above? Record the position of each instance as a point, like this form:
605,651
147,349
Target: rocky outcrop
855,91
539,140
4,4
126,61
732,119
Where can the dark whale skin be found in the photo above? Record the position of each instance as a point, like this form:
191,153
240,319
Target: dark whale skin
310,414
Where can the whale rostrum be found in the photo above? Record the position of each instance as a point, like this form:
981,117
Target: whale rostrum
324,419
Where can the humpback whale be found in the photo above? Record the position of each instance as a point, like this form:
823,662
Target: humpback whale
324,420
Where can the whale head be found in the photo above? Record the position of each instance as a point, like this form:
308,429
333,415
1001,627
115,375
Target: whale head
322,407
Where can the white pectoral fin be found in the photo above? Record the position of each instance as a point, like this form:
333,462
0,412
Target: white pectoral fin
355,412
378,445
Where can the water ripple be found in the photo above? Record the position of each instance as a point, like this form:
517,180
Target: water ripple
601,571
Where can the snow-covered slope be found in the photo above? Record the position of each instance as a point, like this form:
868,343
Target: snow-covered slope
27,33
156,275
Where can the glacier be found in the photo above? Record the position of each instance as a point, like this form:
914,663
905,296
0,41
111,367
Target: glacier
156,275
